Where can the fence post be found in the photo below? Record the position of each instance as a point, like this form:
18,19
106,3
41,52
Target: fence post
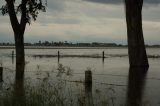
88,88
12,53
88,77
1,74
12,57
58,56
103,56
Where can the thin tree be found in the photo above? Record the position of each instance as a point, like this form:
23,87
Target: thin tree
136,46
26,10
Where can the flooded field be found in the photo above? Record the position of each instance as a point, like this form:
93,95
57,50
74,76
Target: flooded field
60,82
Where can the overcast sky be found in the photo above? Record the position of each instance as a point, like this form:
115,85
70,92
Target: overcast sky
86,21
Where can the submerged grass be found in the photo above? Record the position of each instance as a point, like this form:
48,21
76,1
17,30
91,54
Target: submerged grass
46,92
49,93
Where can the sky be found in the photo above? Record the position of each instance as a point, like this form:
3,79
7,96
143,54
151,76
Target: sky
85,21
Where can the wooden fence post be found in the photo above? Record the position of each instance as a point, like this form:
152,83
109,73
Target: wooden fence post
12,57
103,56
88,77
1,74
88,85
12,53
88,88
58,56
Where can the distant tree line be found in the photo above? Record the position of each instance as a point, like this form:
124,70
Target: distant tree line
65,43
71,44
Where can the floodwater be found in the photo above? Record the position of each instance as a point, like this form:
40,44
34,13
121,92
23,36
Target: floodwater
113,82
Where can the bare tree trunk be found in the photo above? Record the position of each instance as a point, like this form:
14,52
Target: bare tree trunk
18,29
20,56
19,93
136,46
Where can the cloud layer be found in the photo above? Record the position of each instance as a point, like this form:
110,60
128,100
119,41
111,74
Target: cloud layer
84,21
122,1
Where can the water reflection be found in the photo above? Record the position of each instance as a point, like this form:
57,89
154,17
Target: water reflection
58,60
102,60
12,59
1,74
136,83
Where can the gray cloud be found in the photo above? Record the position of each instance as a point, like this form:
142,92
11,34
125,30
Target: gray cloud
67,21
152,1
56,5
106,1
122,1
85,21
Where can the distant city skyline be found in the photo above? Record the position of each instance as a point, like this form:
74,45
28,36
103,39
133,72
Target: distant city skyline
86,21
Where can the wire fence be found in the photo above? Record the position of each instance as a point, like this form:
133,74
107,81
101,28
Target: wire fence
94,74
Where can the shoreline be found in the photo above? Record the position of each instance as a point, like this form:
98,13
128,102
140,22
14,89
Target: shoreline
58,47
65,47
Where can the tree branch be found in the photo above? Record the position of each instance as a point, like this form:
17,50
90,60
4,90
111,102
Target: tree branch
12,15
23,16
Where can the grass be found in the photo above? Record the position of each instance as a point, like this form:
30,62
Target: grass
46,92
